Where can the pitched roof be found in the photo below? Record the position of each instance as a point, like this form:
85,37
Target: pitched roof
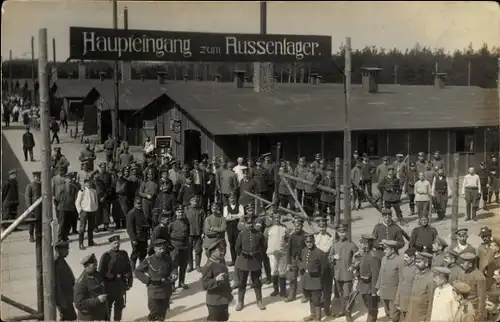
224,109
73,87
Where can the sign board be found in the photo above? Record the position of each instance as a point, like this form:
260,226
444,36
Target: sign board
163,142
153,45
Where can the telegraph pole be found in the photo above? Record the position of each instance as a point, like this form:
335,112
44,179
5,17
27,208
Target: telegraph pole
33,69
347,137
11,86
47,249
116,107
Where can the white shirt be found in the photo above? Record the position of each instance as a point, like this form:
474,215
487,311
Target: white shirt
275,239
443,305
231,217
148,147
422,190
239,172
471,181
86,200
324,241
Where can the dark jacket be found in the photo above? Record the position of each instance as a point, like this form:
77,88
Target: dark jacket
218,292
156,272
87,288
313,267
196,218
65,201
28,140
179,233
136,225
10,193
64,284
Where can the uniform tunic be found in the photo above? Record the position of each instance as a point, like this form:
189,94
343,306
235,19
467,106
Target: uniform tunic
261,178
405,287
215,226
312,266
250,186
196,217
381,172
87,288
327,197
422,295
438,259
218,292
455,273
369,269
33,193
392,232
226,181
345,251
250,247
64,285
391,272
391,188
477,296
298,172
423,236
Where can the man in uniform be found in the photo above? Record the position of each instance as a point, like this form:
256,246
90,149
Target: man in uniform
227,182
148,192
103,183
249,185
125,158
59,161
327,199
471,189
250,247
285,196
485,179
443,295
90,292
276,237
409,186
368,170
369,268
400,167
462,245
450,261
300,172
494,170
487,254
159,273
437,161
423,236
476,281
324,241
317,160
64,283
438,251
87,155
137,228
33,193
387,230
28,144
115,268
10,197
294,251
179,231
341,255
357,179
391,187
440,194
403,294
422,292
269,165
312,267
420,164
109,146
311,191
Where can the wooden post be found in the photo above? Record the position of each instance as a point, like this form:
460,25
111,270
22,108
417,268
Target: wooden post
337,188
54,52
455,200
347,138
47,249
294,196
33,69
396,74
115,111
469,69
11,86
276,174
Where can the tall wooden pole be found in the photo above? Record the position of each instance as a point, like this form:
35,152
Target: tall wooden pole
263,17
347,137
33,69
337,189
116,107
396,74
54,52
11,86
48,252
277,178
469,69
455,200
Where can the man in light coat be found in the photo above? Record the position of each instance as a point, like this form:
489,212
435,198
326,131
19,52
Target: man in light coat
443,300
405,285
422,292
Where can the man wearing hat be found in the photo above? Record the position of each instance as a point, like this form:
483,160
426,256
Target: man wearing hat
215,280
148,192
327,199
299,172
311,190
10,196
159,273
122,190
285,196
59,161
28,144
450,262
109,147
387,230
437,161
484,177
391,268
247,184
494,174
86,205
464,310
471,189
187,191
391,188
440,194
438,251
64,283
215,225
400,167
312,268
423,236
233,212
443,299
402,300
357,179
103,183
165,201
226,181
90,292
115,268
269,165
422,292
135,180
87,154
294,252
65,202
250,247
161,231
476,281
179,231
262,179
368,170
199,178
462,245
488,255
137,230
276,237
420,163
341,255
409,186
369,268
196,217
32,193
125,157
85,173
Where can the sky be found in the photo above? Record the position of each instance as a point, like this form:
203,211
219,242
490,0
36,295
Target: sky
448,25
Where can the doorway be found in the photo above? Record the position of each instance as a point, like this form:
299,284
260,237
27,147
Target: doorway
368,143
192,146
106,125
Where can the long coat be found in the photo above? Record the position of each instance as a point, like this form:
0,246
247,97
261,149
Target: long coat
391,272
477,296
87,289
422,295
369,268
251,248
404,292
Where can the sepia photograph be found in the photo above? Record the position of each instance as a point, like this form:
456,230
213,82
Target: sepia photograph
250,161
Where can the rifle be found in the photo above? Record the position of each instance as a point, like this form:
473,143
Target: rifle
399,166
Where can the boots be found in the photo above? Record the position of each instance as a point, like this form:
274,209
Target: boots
276,289
197,262
80,241
347,311
317,313
292,291
312,312
282,286
241,300
258,297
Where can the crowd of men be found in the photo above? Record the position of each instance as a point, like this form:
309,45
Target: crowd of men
174,213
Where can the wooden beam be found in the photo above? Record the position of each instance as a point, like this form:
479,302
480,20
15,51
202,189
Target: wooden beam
304,215
20,219
448,154
18,305
28,317
319,186
429,144
267,202
337,186
455,200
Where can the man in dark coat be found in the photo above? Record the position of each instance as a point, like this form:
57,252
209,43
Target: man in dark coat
369,268
137,230
391,188
409,186
327,199
115,268
215,280
294,252
59,161
387,230
64,283
179,231
494,170
158,272
10,197
247,184
423,236
484,178
90,292
109,146
250,247
28,144
67,215
87,155
33,193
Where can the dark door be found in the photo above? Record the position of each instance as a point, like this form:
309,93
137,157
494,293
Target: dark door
106,125
192,146
90,120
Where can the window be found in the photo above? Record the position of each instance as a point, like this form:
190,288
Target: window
465,141
368,143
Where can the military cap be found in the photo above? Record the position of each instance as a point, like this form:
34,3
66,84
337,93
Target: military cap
308,236
321,220
37,173
179,208
265,155
355,152
467,256
385,158
440,241
485,231
88,259
341,227
138,199
159,242
421,154
412,164
173,162
165,213
114,238
482,163
461,287
69,175
460,230
452,253
329,168
366,238
400,155
298,220
258,160
61,244
13,171
388,242
212,243
386,212
423,255
232,194
442,270
215,205
411,252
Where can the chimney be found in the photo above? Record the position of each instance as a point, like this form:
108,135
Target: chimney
217,78
370,79
82,71
263,77
101,76
439,80
239,78
161,77
185,77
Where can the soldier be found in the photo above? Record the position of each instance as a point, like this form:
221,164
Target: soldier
148,191
285,196
487,254
387,230
86,206
250,247
403,294
464,310
324,241
310,190
87,155
215,224
400,167
294,250
485,179
215,281
369,268
64,283
422,291
471,189
122,193
262,179
103,182
423,237
233,212
368,171
276,237
109,146
125,158
341,255
158,272
137,227
443,298
59,161
409,186
462,245
420,164
33,193
391,187
476,281
300,172
312,266
327,199
391,270
196,217
179,231
438,250
115,268
357,178
494,170
166,200
28,145
440,194
90,292
187,191
450,260
135,181
429,172
437,161
246,184
226,181
317,159
10,197
85,173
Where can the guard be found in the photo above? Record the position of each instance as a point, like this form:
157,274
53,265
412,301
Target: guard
179,238
296,243
423,236
476,281
65,282
10,197
312,267
391,188
369,268
137,230
33,193
87,155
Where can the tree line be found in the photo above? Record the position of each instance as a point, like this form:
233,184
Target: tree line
413,66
